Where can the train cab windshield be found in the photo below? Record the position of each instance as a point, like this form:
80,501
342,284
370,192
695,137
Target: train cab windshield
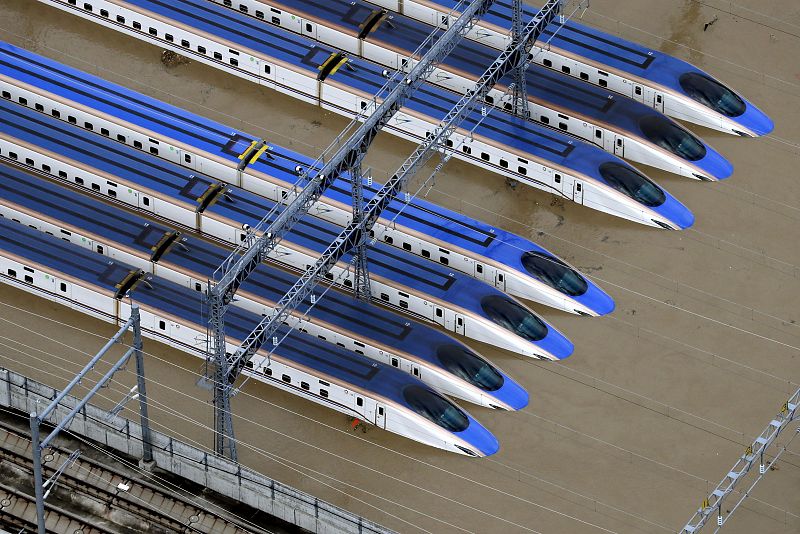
436,408
632,183
512,316
669,136
469,366
555,273
711,93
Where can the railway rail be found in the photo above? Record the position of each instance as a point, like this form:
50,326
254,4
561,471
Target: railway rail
143,500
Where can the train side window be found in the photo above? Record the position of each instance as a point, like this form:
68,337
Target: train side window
267,69
29,162
638,90
404,304
162,325
63,287
169,37
287,379
504,163
62,174
395,363
146,201
489,99
12,155
104,13
6,95
348,282
154,151
598,133
88,126
619,142
385,297
152,31
466,149
55,113
87,6
547,63
658,99
579,187
359,401
484,156
184,43
276,20
99,249
562,125
112,193
187,158
565,69
323,393
603,83
46,168
406,246
439,312
72,2
388,239
460,321
380,410
79,180
415,371
558,178
96,187
243,8
217,55
40,107
121,138
227,3
479,268
544,120
12,272
23,101
137,144
522,170
201,49
137,25
259,14
305,386
120,19
268,371
28,279
584,76
444,260
426,253
72,120
104,131
309,27
234,62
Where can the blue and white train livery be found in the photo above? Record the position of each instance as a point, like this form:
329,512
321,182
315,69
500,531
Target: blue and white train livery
507,261
514,148
302,365
621,126
432,356
159,188
666,83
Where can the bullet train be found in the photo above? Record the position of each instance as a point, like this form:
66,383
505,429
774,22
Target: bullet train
509,262
618,125
665,83
435,358
302,365
508,146
423,289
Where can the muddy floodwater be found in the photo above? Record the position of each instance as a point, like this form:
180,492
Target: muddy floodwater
630,433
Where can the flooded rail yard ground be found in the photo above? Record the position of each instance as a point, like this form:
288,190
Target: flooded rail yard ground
627,435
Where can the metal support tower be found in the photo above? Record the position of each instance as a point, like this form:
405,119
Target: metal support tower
361,286
355,232
348,156
519,85
756,451
38,445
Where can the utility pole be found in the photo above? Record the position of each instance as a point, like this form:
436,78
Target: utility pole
38,445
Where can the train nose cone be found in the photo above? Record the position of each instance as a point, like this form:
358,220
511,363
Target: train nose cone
556,344
597,300
714,164
756,120
677,214
513,395
479,438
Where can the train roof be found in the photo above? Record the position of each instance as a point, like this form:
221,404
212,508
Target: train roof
216,139
185,304
530,139
241,206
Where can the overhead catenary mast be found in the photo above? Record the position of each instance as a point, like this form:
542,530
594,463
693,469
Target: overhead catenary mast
514,58
265,236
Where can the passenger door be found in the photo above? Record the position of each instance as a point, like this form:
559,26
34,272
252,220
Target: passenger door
659,102
619,146
577,192
460,328
380,415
